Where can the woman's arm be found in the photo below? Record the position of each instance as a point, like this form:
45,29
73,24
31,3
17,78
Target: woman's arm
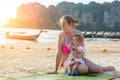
59,54
70,45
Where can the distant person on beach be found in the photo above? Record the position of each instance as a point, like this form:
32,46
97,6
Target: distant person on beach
64,38
71,63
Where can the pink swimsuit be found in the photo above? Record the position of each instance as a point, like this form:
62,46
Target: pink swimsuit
65,49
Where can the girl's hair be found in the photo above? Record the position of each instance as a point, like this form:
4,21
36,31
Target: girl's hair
79,38
70,20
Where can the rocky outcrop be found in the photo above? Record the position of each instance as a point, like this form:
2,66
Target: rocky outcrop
112,15
31,15
92,16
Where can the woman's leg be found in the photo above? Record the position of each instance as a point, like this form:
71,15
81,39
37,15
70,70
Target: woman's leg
109,68
92,67
82,69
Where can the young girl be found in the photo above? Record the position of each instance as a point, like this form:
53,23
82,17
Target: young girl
76,47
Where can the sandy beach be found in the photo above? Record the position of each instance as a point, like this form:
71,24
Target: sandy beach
29,56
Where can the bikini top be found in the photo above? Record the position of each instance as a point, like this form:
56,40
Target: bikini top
65,49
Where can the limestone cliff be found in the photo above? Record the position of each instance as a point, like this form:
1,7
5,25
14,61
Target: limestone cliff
92,16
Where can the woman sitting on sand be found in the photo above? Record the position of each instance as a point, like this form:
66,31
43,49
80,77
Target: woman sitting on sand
64,38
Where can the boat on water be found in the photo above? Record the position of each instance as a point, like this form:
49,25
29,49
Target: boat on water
23,36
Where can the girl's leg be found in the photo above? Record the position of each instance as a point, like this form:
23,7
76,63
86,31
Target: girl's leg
75,66
69,68
82,69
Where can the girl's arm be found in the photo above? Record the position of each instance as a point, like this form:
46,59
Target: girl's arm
78,53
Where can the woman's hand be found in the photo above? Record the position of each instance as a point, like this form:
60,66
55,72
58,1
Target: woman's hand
54,72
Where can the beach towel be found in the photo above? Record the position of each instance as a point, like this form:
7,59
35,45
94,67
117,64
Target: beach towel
41,75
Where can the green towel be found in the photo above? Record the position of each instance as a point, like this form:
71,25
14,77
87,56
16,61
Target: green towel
41,75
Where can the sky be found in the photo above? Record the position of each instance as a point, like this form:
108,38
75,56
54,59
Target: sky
8,8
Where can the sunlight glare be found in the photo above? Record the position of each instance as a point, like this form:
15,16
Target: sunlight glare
7,10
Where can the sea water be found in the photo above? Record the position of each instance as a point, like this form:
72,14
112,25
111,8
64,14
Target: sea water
46,36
